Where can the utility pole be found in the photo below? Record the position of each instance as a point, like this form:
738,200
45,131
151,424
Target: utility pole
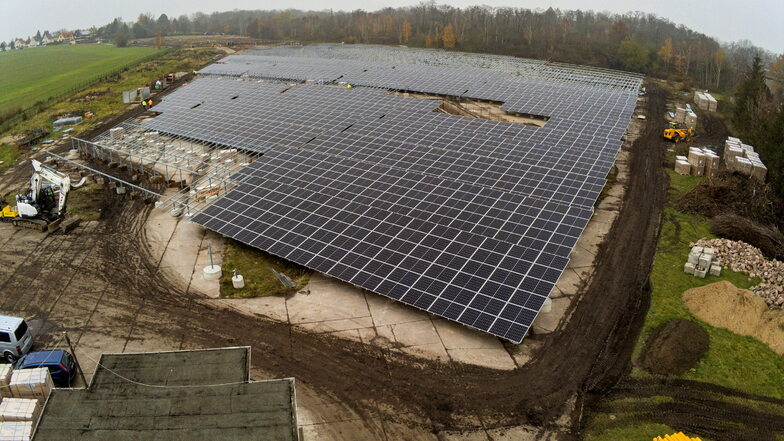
76,360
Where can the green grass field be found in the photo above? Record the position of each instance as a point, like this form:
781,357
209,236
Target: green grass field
732,360
35,75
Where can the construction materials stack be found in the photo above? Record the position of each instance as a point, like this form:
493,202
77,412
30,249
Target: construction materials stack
31,383
20,409
682,165
701,262
742,158
16,431
23,398
691,120
705,101
686,116
5,379
702,162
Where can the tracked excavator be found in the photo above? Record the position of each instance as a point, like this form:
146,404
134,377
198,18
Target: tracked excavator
43,207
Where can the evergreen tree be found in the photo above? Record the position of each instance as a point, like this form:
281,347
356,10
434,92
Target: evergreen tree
749,95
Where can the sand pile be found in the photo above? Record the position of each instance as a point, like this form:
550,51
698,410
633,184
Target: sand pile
723,305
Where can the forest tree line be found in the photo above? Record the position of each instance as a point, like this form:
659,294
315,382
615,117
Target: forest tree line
636,42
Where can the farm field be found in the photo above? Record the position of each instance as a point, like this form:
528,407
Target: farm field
38,74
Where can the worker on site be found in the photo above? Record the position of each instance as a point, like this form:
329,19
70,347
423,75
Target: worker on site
144,104
149,103
194,72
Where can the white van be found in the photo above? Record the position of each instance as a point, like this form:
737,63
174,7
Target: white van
15,338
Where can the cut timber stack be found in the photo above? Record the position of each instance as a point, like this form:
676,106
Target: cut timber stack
743,159
5,378
16,431
20,409
31,383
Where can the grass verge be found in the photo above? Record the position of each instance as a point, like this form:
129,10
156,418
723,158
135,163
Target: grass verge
36,75
108,93
732,360
8,155
254,266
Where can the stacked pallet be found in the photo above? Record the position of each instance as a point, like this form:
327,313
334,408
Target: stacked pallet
5,379
31,383
701,262
742,158
705,101
686,116
19,409
702,162
682,166
691,120
16,431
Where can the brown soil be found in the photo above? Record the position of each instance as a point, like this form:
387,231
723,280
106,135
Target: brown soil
711,129
768,239
674,347
585,360
723,305
734,194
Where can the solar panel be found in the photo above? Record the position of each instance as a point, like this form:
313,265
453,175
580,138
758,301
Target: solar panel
469,219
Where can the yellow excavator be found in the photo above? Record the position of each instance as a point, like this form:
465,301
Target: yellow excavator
678,132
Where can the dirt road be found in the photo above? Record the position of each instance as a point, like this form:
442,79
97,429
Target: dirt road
102,284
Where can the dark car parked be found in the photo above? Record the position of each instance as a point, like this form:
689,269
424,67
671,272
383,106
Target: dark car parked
61,365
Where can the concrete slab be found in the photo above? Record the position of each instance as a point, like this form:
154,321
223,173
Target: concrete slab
379,336
336,325
491,358
433,351
570,282
580,257
547,322
387,312
454,336
328,301
209,288
273,307
416,333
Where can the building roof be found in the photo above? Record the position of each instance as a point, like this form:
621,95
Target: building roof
193,395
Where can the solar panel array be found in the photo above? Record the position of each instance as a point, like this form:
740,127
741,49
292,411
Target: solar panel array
469,219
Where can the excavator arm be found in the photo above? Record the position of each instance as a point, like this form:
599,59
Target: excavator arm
60,180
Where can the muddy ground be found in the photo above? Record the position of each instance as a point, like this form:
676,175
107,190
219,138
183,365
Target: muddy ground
63,280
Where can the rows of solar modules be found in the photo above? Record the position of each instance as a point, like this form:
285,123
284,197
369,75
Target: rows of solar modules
469,219
515,66
479,256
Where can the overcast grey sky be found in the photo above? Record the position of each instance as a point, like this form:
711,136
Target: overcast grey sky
761,21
